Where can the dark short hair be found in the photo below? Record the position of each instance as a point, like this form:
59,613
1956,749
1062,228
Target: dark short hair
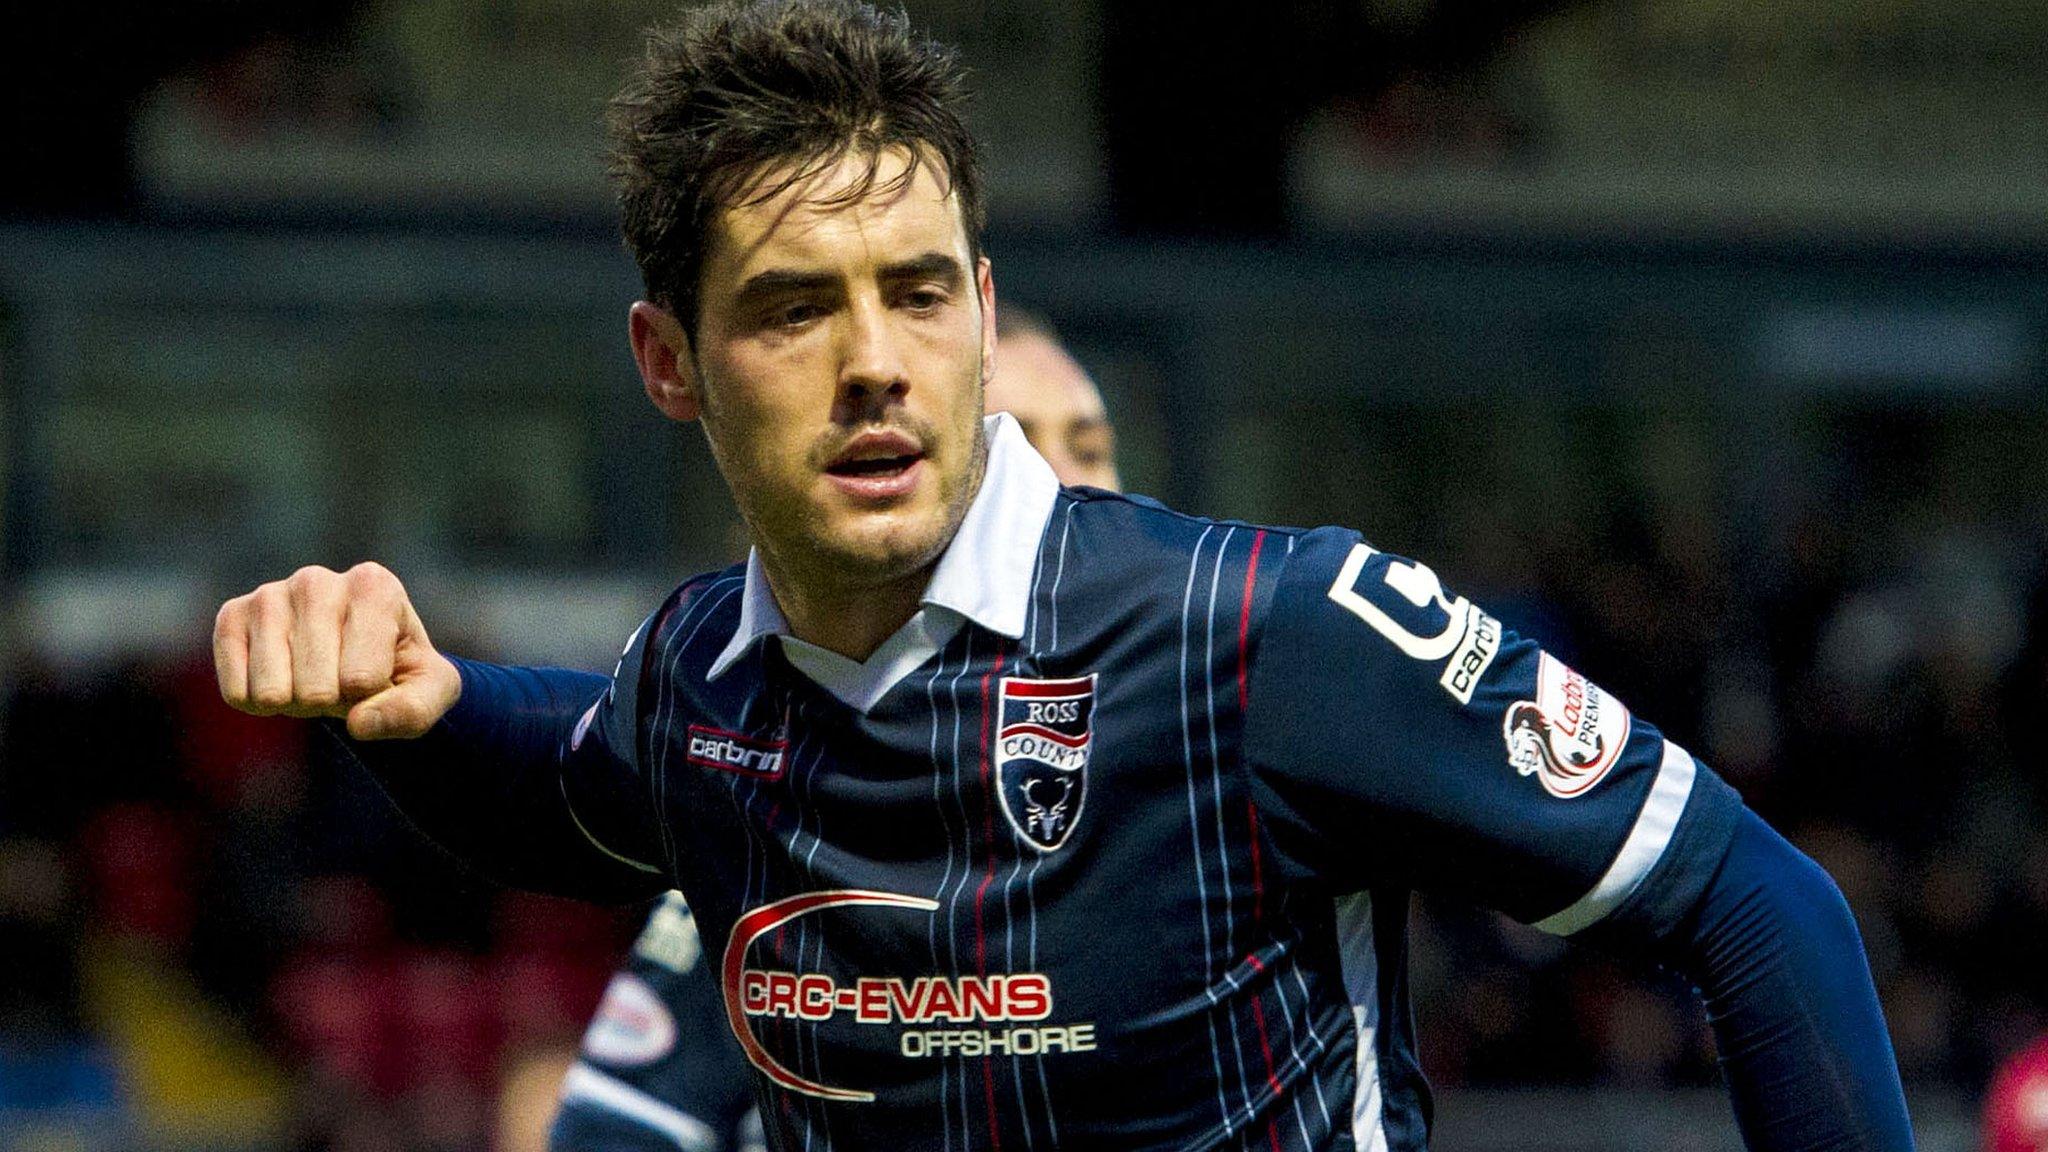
730,91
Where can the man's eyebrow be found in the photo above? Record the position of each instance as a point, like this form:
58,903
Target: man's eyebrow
775,281
939,266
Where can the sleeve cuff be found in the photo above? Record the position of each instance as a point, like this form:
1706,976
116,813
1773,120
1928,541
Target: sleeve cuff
1679,838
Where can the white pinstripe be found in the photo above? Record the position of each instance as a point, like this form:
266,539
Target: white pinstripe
959,807
1066,526
1216,789
1293,1027
1195,830
1215,760
1315,1039
938,804
1010,965
1300,1065
1010,917
808,1105
1052,1123
966,872
757,854
817,817
1016,869
1031,879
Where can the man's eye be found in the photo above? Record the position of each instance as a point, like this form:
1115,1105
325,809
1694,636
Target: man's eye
1092,446
923,299
796,315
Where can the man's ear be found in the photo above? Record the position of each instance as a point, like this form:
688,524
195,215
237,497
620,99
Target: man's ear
985,284
662,351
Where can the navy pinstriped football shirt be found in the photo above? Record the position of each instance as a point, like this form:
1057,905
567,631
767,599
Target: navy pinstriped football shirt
1111,846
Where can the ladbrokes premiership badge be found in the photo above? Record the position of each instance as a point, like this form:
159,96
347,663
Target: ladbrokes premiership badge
1569,735
1042,744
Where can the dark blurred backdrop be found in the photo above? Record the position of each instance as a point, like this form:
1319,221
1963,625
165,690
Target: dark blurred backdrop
1703,342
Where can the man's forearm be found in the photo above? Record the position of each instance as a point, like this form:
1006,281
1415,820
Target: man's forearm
1774,949
485,783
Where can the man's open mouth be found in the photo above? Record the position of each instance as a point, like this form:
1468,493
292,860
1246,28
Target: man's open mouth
875,465
876,456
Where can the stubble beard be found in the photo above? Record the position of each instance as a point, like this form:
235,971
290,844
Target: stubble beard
799,539
902,551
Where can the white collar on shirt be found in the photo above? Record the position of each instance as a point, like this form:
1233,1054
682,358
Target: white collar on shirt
984,576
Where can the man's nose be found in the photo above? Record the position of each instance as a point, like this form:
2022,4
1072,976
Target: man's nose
871,364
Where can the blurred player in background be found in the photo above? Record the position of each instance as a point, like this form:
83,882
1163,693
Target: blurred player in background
1053,399
659,1070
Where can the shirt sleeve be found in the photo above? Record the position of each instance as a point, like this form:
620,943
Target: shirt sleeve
533,779
1774,951
1397,734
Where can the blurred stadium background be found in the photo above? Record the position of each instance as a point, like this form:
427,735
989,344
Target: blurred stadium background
1707,342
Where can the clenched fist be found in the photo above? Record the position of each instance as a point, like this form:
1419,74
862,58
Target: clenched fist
326,643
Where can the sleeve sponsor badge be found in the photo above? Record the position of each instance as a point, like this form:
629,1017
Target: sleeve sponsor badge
1569,735
1043,739
1405,602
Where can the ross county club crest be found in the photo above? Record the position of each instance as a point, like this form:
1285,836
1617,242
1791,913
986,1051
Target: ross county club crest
1042,744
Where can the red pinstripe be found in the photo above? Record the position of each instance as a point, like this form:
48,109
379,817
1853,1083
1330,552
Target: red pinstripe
1266,1050
1244,630
1244,616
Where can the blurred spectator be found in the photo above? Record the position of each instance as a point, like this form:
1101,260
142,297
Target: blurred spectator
2016,1109
50,1064
528,1095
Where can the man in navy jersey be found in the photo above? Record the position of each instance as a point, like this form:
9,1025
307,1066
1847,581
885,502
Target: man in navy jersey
1020,816
659,1069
